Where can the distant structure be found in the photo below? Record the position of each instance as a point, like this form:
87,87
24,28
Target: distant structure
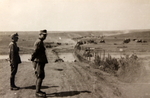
126,40
102,41
141,41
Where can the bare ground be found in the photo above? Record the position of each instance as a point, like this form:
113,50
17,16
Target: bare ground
72,80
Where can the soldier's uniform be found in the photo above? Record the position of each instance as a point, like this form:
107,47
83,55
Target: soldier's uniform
14,61
39,59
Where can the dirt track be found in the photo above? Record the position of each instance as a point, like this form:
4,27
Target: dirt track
69,80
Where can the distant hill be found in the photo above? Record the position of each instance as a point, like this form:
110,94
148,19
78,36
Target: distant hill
145,34
73,34
120,33
76,34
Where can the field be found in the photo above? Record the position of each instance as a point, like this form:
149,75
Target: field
79,79
26,40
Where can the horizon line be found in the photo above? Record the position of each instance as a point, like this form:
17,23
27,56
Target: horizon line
73,30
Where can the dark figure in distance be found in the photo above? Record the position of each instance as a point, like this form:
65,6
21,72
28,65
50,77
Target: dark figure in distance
14,59
39,60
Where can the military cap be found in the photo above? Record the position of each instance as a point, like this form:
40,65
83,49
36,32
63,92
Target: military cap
14,35
42,32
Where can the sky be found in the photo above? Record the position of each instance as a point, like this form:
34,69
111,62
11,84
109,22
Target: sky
74,15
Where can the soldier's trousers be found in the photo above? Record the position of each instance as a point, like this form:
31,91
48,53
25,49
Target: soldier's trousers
14,69
40,74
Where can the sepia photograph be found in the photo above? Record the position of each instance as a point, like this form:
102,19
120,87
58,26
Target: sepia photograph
74,48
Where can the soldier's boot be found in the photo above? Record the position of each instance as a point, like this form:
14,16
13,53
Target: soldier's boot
12,84
40,95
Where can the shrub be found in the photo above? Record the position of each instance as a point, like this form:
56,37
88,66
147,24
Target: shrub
108,64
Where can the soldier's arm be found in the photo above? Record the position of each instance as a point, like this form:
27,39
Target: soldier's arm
36,51
12,54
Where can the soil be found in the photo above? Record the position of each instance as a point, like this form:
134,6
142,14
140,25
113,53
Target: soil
72,80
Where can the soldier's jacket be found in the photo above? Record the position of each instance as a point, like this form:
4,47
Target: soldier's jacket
14,53
39,54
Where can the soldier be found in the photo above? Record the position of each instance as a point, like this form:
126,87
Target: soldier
39,60
14,60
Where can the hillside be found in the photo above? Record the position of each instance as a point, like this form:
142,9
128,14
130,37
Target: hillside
135,35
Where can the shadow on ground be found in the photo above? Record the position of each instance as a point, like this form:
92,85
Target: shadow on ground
33,87
66,93
59,69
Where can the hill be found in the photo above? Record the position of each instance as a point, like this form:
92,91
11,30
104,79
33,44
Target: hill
145,34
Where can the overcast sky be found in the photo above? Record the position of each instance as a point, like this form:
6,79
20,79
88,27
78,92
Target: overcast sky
74,15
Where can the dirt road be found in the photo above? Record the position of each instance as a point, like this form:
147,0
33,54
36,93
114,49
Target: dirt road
66,80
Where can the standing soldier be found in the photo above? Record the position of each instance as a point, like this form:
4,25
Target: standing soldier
14,60
39,60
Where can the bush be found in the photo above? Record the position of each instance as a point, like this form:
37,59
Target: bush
111,63
108,64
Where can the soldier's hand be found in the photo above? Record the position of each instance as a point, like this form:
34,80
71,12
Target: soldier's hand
12,65
32,59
